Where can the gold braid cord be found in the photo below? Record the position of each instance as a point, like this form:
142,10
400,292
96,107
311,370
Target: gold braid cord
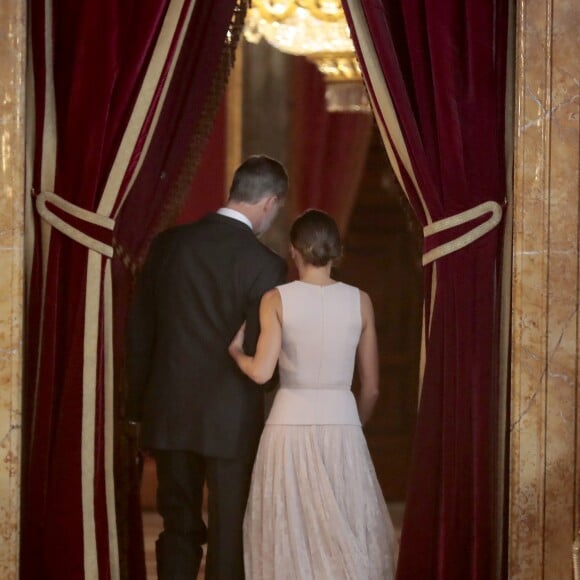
181,188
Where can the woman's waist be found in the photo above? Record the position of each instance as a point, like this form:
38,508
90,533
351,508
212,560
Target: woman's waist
314,405
314,386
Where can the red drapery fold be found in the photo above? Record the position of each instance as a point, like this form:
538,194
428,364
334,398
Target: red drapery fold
327,150
209,189
436,75
166,182
113,99
199,79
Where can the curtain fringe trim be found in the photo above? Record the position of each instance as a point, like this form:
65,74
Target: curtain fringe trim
170,209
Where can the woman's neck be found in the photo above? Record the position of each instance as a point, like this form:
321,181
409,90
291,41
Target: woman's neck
315,275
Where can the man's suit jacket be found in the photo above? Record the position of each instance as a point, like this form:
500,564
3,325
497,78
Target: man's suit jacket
198,285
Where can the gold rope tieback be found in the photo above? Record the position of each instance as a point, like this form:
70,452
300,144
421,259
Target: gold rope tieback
78,212
464,217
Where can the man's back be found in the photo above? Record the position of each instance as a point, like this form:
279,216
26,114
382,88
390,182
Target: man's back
200,282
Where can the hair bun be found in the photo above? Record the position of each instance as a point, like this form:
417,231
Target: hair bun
315,235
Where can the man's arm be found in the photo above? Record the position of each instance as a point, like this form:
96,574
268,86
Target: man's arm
260,368
140,338
271,277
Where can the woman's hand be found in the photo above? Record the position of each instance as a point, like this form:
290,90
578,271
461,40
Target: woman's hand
237,344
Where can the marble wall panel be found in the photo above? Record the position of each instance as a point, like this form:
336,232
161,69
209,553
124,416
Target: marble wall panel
12,59
544,451
543,510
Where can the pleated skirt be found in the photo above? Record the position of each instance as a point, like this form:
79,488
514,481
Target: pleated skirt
315,510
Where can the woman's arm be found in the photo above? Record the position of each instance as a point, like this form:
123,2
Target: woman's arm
261,366
367,361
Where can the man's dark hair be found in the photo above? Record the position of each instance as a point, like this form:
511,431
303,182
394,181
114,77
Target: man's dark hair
257,177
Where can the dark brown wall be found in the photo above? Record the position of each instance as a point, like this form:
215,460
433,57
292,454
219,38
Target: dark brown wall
266,117
382,256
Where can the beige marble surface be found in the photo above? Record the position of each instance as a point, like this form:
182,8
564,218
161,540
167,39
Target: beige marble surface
543,507
544,451
12,58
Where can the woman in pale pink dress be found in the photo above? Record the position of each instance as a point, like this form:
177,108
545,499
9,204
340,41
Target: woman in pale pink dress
315,510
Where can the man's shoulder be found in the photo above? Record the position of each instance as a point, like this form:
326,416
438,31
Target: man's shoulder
206,230
181,232
166,242
266,254
174,232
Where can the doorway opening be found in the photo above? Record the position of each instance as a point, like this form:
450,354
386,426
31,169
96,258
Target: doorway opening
261,113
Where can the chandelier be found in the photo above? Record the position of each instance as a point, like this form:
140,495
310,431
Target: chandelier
318,30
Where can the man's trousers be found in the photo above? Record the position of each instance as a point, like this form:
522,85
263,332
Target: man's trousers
181,476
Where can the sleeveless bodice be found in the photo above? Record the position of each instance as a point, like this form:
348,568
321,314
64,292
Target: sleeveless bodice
321,327
315,507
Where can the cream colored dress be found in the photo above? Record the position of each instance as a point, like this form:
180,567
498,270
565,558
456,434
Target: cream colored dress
316,511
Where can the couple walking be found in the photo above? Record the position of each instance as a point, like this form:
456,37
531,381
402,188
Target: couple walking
211,320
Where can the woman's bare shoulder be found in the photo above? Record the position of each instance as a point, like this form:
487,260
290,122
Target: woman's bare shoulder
271,297
366,307
365,299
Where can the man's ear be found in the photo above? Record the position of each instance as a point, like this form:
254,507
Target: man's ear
270,202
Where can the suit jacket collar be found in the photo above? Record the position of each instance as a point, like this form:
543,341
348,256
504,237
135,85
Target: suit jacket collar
229,212
223,219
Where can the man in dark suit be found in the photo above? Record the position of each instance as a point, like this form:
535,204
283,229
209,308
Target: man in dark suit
197,412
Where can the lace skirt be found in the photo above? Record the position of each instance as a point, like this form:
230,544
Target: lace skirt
315,510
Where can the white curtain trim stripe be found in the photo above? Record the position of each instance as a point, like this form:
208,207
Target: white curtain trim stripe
393,140
144,103
99,279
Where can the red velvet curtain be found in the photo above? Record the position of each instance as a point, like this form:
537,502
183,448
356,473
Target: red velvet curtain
95,92
186,151
173,157
436,74
327,150
209,188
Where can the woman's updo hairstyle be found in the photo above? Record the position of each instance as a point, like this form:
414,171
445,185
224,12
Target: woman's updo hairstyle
315,235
